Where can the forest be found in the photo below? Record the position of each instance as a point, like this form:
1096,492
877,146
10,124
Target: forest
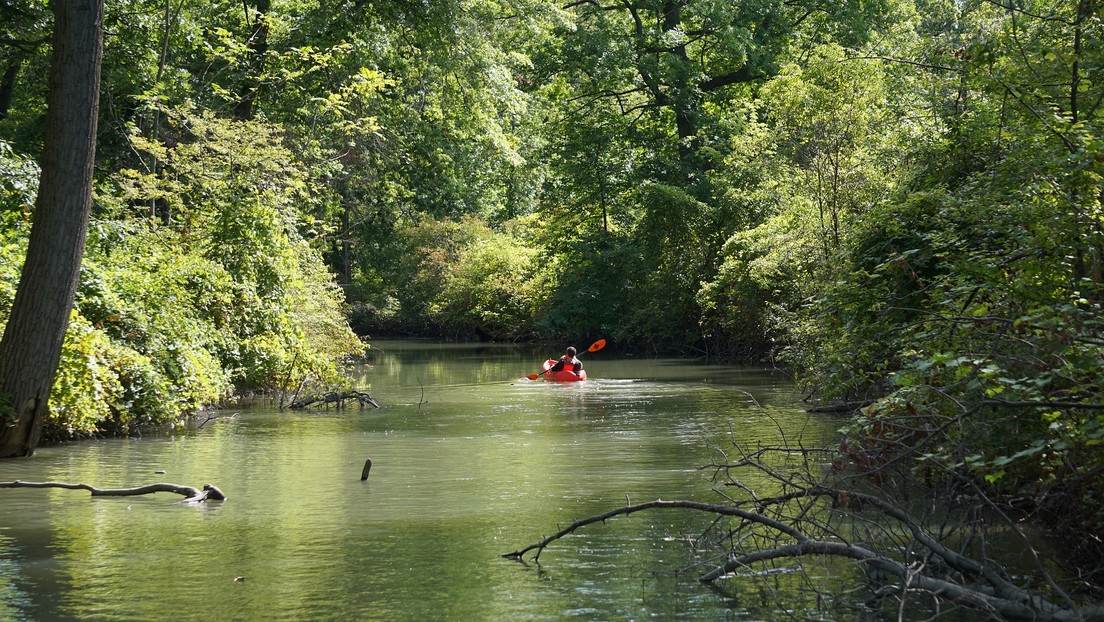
896,201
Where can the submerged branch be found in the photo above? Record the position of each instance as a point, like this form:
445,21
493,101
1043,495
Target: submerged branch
336,397
723,510
192,495
957,578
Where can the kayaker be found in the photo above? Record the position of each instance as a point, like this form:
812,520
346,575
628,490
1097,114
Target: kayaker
568,362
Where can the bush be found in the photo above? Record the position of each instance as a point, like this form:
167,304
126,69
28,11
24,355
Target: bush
490,290
465,280
215,292
963,302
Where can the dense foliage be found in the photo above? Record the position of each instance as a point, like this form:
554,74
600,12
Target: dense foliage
899,199
197,284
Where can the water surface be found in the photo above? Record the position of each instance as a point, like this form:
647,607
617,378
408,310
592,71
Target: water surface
470,461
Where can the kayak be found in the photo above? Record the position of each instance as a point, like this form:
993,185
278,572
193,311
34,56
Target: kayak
562,375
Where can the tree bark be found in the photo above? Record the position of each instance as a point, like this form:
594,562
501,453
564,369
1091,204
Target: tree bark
31,345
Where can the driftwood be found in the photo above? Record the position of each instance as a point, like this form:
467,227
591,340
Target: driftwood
339,398
192,495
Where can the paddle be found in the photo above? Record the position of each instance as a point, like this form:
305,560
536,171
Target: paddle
594,347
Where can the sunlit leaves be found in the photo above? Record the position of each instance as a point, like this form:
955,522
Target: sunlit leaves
226,293
18,185
467,279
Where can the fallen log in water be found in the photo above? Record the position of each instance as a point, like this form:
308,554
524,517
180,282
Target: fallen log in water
192,495
338,398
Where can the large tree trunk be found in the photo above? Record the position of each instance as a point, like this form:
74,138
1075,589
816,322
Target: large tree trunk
31,346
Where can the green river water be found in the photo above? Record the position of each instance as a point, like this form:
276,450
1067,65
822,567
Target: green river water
470,462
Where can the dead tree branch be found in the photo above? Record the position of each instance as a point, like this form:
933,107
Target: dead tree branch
339,398
722,510
795,529
191,495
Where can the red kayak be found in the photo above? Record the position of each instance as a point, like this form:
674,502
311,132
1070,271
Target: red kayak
562,375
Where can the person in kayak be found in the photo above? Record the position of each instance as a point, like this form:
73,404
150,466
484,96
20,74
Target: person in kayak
568,362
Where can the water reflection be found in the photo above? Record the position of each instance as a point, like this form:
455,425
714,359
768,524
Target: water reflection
470,461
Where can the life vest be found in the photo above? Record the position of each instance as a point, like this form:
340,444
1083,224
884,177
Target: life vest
571,364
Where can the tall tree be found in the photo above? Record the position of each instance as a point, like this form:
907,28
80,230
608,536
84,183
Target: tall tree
256,47
31,346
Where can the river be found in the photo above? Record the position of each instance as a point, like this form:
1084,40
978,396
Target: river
470,461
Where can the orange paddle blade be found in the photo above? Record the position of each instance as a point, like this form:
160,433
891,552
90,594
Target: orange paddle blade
597,345
533,376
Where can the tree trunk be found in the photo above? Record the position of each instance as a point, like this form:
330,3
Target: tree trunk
685,102
31,345
257,47
7,85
